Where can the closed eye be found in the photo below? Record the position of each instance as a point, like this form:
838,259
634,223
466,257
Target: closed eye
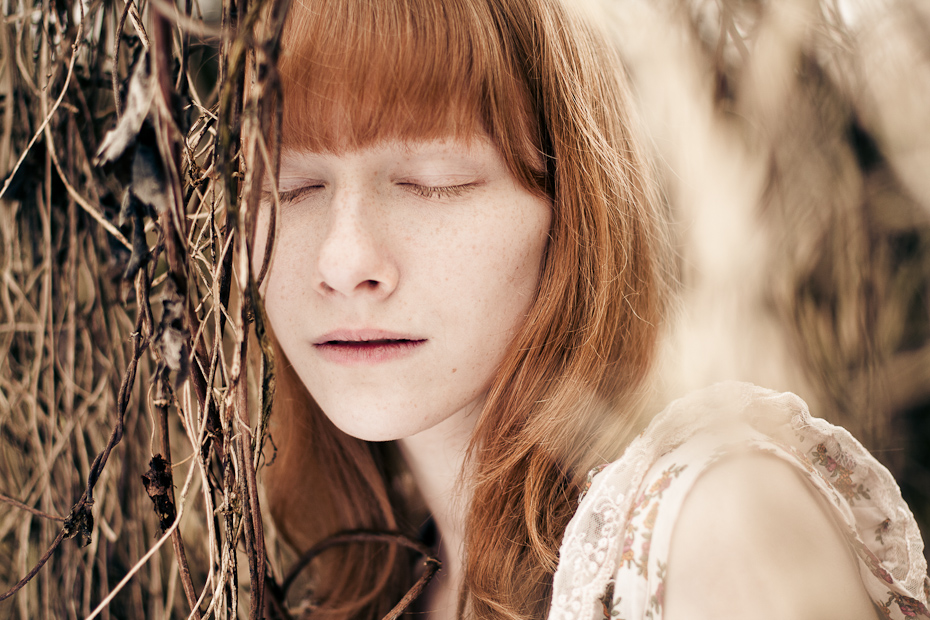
293,195
438,191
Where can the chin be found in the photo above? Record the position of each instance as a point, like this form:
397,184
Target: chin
379,417
377,424
368,433
375,434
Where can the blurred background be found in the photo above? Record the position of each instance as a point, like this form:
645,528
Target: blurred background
792,140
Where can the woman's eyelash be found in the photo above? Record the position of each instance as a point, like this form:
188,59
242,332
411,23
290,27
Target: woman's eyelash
292,195
439,191
427,191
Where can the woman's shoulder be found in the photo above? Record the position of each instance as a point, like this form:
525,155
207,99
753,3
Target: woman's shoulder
751,522
615,553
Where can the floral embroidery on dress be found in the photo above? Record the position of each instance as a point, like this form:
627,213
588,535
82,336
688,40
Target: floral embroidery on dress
881,530
871,561
657,600
648,503
648,525
910,607
627,557
842,476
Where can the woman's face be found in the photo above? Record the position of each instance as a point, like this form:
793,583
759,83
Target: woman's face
401,273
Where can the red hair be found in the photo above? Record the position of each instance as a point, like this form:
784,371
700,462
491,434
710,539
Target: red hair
549,91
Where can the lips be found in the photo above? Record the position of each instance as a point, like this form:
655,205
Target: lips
353,347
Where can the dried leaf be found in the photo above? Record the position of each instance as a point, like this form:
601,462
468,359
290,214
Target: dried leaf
134,210
80,524
173,345
126,208
157,481
149,183
171,338
139,100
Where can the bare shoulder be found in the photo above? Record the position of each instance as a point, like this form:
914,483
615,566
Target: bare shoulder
753,541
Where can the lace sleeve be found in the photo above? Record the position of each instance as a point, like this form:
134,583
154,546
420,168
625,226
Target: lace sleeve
613,556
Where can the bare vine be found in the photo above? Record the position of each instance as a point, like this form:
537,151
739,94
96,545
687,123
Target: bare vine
180,195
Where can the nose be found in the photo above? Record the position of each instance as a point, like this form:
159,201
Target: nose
354,258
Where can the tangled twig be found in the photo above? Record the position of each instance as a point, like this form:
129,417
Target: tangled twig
431,564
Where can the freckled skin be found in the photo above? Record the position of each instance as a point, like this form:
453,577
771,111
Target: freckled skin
362,245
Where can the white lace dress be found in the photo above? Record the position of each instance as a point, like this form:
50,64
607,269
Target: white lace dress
614,553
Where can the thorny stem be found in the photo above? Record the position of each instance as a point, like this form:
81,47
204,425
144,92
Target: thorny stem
172,234
161,406
241,215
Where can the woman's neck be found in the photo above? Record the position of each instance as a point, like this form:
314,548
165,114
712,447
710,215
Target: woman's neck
436,458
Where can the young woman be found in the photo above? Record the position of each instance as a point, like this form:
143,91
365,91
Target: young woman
468,283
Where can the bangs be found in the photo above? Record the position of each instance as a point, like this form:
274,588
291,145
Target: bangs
356,72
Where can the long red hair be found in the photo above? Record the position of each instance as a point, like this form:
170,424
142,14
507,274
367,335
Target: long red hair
544,84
